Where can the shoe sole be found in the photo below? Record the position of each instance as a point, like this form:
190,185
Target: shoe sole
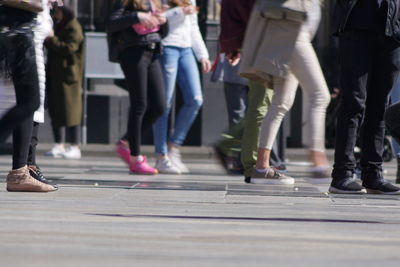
141,173
335,190
10,189
272,181
378,192
168,172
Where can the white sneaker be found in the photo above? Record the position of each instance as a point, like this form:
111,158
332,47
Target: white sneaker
73,152
175,157
165,166
57,151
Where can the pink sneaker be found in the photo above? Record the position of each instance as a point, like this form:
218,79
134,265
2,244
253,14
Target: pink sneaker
123,151
142,167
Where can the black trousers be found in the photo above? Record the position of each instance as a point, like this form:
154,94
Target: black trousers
369,65
61,132
145,83
18,52
392,120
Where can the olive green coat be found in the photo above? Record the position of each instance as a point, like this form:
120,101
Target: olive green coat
64,75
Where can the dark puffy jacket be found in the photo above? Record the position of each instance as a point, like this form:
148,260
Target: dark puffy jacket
14,18
121,35
344,8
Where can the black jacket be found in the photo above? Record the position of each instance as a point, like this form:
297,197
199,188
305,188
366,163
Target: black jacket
121,35
15,18
344,8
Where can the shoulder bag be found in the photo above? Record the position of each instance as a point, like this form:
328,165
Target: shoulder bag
28,5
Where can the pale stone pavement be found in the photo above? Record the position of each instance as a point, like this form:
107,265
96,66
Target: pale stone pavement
102,216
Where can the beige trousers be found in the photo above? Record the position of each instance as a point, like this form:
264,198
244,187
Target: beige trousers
304,68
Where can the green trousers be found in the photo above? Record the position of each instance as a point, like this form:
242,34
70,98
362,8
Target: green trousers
243,137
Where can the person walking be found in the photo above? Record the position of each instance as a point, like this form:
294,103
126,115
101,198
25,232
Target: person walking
369,49
235,16
17,57
64,85
183,45
135,29
292,40
394,98
392,122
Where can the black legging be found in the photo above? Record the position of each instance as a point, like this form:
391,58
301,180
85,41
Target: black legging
33,144
19,53
60,134
146,92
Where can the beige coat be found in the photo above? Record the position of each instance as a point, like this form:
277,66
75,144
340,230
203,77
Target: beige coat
268,47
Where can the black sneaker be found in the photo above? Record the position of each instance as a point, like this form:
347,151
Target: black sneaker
382,187
35,172
348,185
247,179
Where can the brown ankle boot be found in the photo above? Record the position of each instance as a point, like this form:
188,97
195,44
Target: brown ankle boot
20,180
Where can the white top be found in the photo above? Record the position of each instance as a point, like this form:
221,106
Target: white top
184,32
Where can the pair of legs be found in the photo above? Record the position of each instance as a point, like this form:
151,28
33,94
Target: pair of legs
19,52
366,84
395,97
244,136
392,121
178,65
60,134
304,68
236,102
144,79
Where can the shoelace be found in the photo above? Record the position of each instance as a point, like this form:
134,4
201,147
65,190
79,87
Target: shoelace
277,174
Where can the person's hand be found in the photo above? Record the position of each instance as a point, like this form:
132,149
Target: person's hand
189,10
162,19
148,20
51,33
233,57
205,65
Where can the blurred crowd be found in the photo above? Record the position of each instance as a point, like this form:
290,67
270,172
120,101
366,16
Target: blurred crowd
265,54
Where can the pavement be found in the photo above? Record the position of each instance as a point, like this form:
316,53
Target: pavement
103,216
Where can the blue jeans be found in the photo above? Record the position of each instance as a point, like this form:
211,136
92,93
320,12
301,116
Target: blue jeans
395,97
178,64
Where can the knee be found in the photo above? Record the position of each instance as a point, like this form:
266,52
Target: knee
280,109
160,110
320,99
196,102
138,108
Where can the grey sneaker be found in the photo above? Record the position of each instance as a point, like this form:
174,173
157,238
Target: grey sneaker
270,176
347,185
